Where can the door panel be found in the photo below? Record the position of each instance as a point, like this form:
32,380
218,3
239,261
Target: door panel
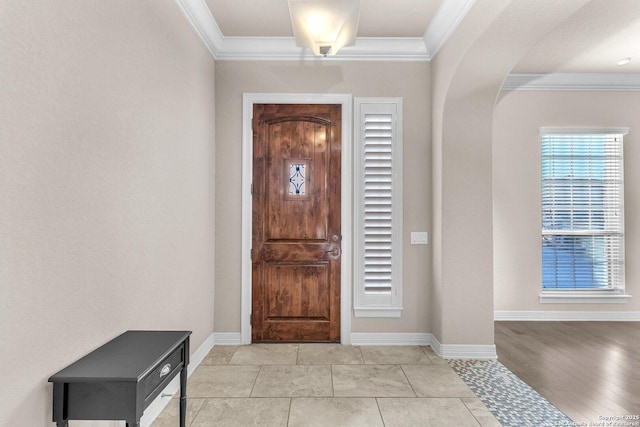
296,223
296,291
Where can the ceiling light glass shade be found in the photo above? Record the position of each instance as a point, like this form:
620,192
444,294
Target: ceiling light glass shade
324,26
624,61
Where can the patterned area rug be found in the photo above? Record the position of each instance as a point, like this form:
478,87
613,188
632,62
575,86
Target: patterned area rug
511,401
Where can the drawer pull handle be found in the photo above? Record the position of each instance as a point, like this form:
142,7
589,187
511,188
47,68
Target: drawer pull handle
165,370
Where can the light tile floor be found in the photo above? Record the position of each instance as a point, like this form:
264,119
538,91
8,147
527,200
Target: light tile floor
327,385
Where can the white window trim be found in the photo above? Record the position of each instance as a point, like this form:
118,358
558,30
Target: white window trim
389,305
579,296
583,297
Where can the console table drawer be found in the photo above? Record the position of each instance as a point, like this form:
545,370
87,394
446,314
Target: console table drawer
158,379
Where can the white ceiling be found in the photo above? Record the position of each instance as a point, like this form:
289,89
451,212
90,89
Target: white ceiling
270,18
591,41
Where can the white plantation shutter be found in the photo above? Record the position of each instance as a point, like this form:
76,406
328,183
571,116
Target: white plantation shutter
582,210
378,160
378,200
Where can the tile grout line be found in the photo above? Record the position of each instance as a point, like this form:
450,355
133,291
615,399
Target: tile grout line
380,411
361,355
470,411
408,382
198,412
289,413
333,389
255,381
233,354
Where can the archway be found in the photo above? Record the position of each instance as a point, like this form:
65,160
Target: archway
468,73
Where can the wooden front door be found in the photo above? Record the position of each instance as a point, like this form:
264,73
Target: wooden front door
296,223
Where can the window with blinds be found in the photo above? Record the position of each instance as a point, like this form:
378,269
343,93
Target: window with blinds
378,222
582,210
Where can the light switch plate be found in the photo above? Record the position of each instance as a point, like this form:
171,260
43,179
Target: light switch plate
419,238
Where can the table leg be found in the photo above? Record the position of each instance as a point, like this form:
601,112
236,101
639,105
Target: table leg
183,395
59,409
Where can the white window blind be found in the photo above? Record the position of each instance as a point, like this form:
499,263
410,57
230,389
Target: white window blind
582,210
378,221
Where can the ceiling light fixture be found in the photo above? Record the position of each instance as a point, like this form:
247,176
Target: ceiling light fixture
624,61
324,26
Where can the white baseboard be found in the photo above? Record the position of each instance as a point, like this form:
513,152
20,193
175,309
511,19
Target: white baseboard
227,338
362,338
572,316
448,351
198,356
155,408
464,351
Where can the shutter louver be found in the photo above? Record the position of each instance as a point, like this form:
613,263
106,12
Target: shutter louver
582,212
378,203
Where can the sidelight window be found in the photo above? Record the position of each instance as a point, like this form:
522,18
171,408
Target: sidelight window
378,207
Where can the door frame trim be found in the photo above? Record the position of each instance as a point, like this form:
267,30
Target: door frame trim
346,217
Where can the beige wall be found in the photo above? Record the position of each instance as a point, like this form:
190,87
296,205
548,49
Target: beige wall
408,80
516,188
106,185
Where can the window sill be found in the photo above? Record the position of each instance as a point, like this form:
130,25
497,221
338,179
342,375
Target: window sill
583,298
378,312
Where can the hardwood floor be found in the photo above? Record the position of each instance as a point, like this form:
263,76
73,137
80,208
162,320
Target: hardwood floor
586,369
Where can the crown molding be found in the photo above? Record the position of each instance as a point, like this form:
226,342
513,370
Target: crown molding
199,16
445,21
616,82
284,48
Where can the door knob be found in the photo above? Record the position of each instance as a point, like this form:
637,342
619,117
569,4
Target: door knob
335,252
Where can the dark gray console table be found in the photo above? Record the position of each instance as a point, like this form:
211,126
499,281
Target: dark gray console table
120,379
